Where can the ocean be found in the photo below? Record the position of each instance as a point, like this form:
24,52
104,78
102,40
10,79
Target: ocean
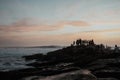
11,58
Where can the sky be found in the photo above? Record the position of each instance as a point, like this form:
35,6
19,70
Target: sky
58,22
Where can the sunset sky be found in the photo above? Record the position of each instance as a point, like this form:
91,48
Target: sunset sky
58,22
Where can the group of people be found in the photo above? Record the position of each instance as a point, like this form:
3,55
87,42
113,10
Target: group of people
90,43
82,42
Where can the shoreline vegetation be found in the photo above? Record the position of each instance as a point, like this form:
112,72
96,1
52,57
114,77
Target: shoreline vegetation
102,62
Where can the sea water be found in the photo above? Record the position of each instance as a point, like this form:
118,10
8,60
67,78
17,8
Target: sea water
11,58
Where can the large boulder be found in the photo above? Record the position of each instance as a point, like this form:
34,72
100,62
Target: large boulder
75,75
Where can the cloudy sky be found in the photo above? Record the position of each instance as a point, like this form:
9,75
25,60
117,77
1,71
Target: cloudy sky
58,22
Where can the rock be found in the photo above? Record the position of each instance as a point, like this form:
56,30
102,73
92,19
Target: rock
74,75
107,79
18,74
34,57
57,65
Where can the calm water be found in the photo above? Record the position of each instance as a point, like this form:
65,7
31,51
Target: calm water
11,58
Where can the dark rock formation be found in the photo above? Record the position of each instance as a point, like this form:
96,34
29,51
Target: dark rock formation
73,75
84,55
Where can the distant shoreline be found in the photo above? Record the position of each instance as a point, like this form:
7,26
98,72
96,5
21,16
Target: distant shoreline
36,47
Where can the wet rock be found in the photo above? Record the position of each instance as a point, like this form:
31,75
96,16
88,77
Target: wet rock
34,57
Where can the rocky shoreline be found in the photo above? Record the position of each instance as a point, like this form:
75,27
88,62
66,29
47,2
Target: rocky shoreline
102,62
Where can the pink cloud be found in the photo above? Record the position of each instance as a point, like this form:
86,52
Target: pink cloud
26,26
106,30
106,22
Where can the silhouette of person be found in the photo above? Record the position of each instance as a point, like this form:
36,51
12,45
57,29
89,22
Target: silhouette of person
77,42
116,50
73,43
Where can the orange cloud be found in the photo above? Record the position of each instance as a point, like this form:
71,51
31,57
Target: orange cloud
77,23
26,26
57,39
